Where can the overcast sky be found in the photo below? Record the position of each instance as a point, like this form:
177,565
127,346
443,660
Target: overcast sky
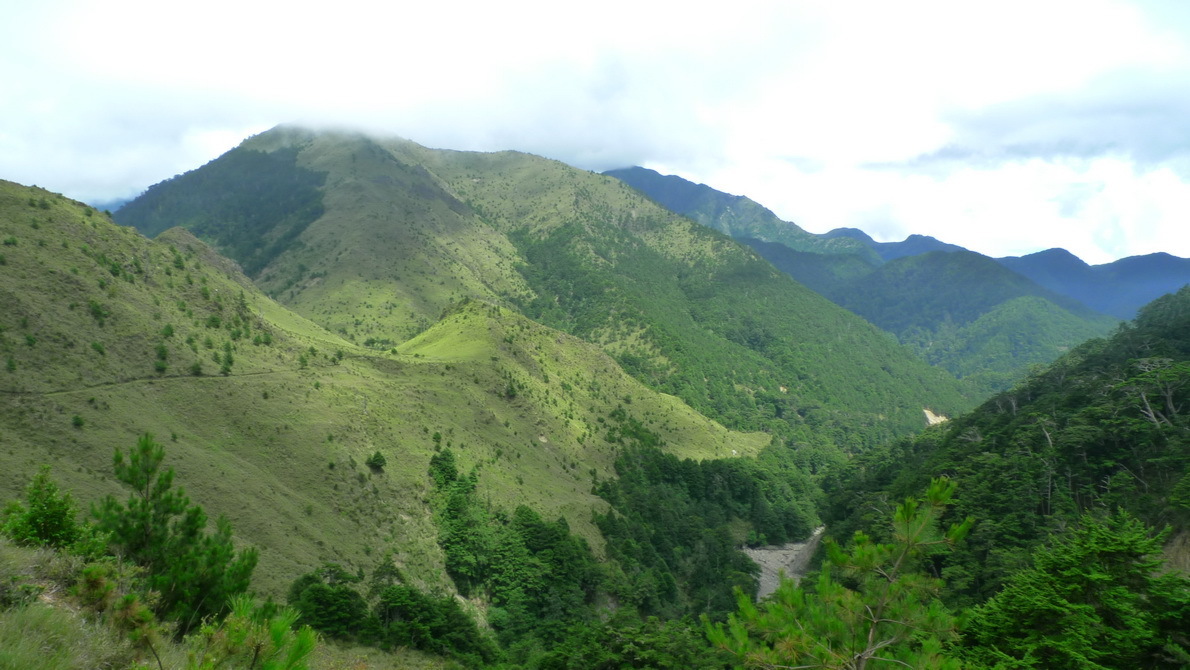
1005,127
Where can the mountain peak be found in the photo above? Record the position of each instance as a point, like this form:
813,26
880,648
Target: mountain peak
853,233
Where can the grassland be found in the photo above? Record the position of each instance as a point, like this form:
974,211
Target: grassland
278,443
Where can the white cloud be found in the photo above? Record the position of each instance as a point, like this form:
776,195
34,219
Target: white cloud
1005,127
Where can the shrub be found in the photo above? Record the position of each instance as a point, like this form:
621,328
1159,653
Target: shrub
49,519
376,461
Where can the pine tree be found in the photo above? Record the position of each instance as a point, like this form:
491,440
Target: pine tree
1096,598
884,610
195,572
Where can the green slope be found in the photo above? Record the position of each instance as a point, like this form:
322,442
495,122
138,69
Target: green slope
688,310
408,231
734,215
1104,426
929,299
278,443
969,314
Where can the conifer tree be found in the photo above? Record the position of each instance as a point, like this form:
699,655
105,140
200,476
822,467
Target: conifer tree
49,518
1096,598
883,613
195,572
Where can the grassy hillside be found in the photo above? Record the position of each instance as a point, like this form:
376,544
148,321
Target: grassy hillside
689,310
278,443
407,232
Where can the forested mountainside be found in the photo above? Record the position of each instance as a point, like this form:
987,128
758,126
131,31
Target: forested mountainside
966,313
1118,288
959,310
1102,428
734,215
407,231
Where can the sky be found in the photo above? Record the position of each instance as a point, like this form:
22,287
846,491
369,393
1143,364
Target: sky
1007,127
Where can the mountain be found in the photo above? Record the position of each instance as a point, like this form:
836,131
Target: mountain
911,246
269,418
969,314
1103,427
919,292
405,232
927,292
733,215
1118,288
824,273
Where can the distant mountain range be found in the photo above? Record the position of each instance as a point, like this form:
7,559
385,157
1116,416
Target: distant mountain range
1118,288
959,309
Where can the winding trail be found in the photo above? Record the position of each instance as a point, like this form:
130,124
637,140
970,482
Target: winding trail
790,559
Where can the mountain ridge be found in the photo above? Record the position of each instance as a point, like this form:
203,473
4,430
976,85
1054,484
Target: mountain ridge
407,214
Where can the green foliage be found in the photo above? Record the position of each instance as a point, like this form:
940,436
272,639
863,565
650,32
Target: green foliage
1096,597
376,461
538,577
135,620
252,636
400,615
443,470
625,641
884,609
670,529
409,618
253,204
46,518
195,572
328,603
1104,426
98,311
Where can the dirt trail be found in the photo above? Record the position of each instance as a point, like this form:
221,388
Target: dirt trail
792,559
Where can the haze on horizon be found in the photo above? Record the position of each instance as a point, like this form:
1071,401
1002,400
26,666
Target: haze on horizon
1006,128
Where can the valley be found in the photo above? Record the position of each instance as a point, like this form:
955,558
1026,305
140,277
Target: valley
537,403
